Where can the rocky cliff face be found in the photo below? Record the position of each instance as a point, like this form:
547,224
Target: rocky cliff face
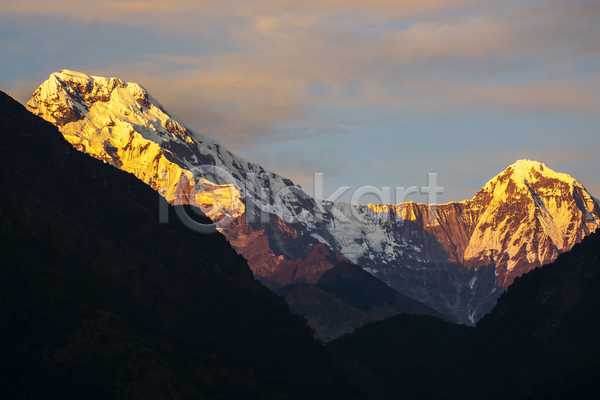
121,124
521,219
458,262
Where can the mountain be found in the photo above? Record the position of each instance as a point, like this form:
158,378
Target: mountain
325,313
121,124
457,258
345,298
541,339
361,290
404,351
523,218
539,342
100,301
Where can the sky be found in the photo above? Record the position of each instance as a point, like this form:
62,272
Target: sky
376,93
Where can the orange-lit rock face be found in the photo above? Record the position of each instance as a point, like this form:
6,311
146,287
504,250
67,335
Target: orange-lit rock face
115,122
523,218
288,230
519,220
119,123
254,246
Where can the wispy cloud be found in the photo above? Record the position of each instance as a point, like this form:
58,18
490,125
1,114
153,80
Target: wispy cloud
251,73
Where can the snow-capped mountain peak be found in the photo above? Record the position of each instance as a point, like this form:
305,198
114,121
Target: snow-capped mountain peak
459,265
523,174
530,214
524,170
120,123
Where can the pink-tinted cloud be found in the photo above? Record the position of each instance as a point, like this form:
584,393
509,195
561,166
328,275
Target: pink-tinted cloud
124,10
413,57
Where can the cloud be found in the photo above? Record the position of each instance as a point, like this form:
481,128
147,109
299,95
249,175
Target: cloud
291,70
237,108
124,10
552,96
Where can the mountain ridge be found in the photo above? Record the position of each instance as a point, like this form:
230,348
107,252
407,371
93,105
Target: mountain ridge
459,264
477,227
539,342
95,306
347,297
